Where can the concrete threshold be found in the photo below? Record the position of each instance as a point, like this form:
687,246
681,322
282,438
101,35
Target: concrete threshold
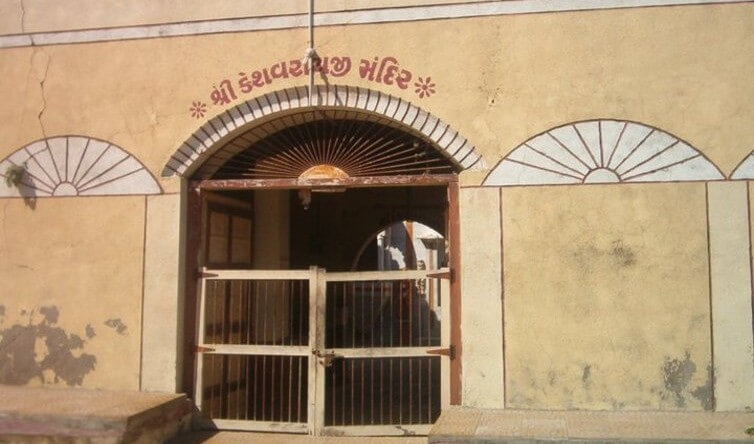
481,426
90,416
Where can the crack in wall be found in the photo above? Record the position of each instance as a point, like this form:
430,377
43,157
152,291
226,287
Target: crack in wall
44,97
23,18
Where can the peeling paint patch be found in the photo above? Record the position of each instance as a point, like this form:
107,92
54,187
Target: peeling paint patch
118,325
90,331
50,313
677,375
33,350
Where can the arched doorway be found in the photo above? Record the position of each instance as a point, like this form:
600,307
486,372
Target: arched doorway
277,209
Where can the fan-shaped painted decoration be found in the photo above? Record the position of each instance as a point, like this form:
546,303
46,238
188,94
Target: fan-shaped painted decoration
745,169
75,166
326,143
602,151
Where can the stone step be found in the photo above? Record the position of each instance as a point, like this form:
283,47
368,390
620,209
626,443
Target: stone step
467,425
90,416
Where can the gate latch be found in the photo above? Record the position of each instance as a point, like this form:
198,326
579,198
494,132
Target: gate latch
442,275
449,352
326,357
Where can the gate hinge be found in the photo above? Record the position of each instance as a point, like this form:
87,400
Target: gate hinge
449,352
442,275
201,274
202,349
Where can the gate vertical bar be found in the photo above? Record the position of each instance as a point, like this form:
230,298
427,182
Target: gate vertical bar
192,263
444,296
198,392
312,384
454,299
318,325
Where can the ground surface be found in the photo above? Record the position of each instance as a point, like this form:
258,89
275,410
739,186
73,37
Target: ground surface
272,438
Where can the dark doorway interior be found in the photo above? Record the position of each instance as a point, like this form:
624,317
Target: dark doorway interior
334,229
337,230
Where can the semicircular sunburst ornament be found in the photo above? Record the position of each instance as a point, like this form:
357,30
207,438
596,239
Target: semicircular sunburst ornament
75,166
330,147
602,151
745,169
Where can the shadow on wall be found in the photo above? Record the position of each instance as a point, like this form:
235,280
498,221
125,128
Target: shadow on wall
43,350
17,177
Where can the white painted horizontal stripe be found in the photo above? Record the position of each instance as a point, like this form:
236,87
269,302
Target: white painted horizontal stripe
386,352
381,15
353,276
266,350
212,274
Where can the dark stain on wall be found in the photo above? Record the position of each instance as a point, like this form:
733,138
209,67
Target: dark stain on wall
50,313
677,374
586,376
704,392
18,359
585,255
618,252
118,325
90,331
2,310
623,254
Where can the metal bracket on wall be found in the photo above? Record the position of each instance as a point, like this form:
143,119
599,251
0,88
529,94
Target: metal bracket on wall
449,352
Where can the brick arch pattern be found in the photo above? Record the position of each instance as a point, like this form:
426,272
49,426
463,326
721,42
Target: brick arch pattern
218,131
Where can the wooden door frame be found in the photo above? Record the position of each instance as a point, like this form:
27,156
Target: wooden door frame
195,202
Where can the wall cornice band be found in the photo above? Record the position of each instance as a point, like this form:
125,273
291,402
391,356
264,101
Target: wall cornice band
365,16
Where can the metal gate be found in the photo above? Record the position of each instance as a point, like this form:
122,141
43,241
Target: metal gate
355,353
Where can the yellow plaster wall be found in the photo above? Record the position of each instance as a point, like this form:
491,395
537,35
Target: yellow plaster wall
71,272
499,80
606,297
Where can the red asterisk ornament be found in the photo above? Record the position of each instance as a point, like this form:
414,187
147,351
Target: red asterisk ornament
198,109
424,87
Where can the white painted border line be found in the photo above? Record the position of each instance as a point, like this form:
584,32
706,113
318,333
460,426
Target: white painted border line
381,15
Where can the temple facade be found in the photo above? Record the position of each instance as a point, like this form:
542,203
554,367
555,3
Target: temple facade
351,224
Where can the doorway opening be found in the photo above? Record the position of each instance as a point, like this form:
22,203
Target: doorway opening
324,298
